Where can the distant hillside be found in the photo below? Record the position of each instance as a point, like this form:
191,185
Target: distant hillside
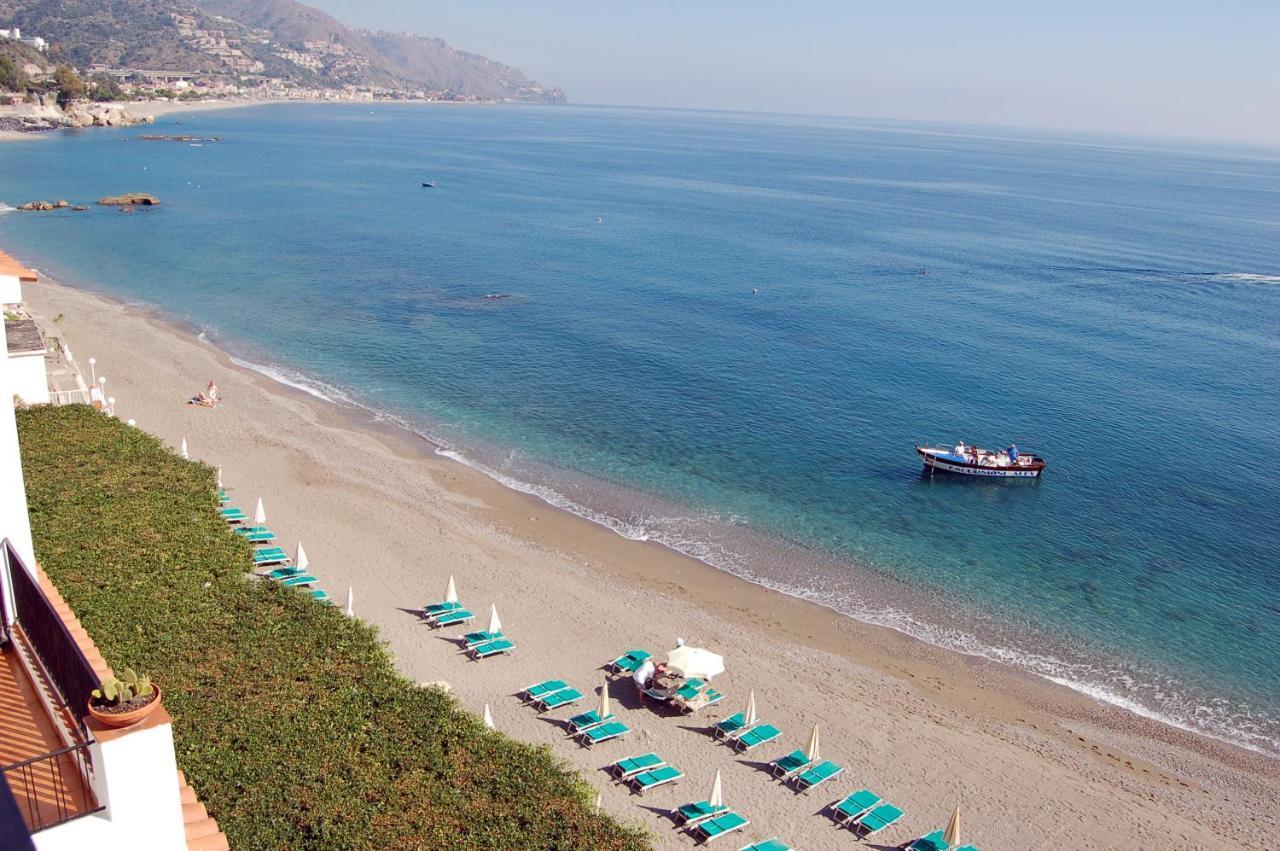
280,39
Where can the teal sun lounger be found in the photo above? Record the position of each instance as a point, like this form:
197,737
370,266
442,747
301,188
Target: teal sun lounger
320,596
556,699
298,580
730,727
854,806
624,769
721,825
453,618
660,776
471,639
497,647
537,690
629,662
877,820
602,733
774,844
785,766
691,814
257,535
816,776
262,558
587,719
233,515
433,610
755,737
929,842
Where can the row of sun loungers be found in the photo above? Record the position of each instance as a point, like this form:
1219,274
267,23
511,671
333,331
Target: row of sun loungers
265,556
481,644
588,728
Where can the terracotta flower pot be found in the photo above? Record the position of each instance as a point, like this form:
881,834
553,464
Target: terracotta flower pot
125,719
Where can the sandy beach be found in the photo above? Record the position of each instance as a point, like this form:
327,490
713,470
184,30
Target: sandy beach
1031,765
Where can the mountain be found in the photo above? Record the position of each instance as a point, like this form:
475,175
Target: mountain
277,39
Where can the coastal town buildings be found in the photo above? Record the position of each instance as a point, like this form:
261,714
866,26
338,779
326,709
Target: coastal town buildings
15,34
69,782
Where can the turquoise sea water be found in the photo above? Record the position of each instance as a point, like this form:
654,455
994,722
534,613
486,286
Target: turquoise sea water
1110,304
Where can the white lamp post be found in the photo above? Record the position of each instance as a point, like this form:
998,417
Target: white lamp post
111,406
93,370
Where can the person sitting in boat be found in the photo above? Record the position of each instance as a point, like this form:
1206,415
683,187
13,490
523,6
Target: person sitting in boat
1013,453
959,451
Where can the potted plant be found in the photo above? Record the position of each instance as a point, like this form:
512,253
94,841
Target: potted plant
124,701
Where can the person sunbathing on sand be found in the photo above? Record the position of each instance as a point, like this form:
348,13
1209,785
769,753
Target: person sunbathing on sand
207,397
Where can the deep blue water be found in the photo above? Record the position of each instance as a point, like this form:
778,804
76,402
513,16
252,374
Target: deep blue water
1111,304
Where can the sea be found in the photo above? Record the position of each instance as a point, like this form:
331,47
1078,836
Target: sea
724,333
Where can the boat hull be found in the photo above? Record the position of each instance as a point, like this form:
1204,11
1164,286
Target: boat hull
934,463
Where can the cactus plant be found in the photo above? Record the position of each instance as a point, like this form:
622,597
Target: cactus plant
116,691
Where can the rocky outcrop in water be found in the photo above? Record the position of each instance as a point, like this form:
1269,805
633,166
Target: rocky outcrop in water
130,199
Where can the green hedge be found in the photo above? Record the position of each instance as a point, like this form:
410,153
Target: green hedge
289,718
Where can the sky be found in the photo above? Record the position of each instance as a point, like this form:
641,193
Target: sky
1198,70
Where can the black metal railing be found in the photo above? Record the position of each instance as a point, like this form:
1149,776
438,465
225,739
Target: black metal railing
72,675
52,788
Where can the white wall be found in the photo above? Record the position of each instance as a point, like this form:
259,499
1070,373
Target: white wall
10,289
14,523
29,379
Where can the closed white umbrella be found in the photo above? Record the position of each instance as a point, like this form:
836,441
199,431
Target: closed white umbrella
604,700
814,751
351,602
183,450
219,475
952,834
451,593
599,800
495,625
749,717
300,557
488,718
260,513
694,662
716,798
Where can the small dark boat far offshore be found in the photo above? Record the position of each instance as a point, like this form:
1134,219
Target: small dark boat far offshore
973,461
428,184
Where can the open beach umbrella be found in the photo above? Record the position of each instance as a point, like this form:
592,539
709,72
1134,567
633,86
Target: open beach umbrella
495,625
693,662
183,450
351,602
604,700
300,558
716,798
451,593
488,718
952,834
814,751
749,717
260,513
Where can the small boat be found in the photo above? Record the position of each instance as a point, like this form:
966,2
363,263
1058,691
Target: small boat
974,461
428,184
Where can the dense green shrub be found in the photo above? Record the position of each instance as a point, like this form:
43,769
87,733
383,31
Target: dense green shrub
290,719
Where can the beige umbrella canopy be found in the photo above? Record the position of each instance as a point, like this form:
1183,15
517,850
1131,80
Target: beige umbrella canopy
260,513
604,700
696,662
488,718
451,593
814,751
952,834
749,717
716,798
300,558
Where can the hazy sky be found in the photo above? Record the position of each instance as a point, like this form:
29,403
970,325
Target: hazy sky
1209,69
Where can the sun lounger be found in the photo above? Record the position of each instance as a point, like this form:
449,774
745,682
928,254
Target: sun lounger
816,776
602,733
556,699
497,647
453,618
730,727
301,579
774,844
930,842
582,721
282,572
223,499
701,700
233,515
319,595
717,827
660,776
755,737
628,663
691,814
784,766
633,765
274,555
855,805
471,639
533,692
877,820
690,689
258,535
436,609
